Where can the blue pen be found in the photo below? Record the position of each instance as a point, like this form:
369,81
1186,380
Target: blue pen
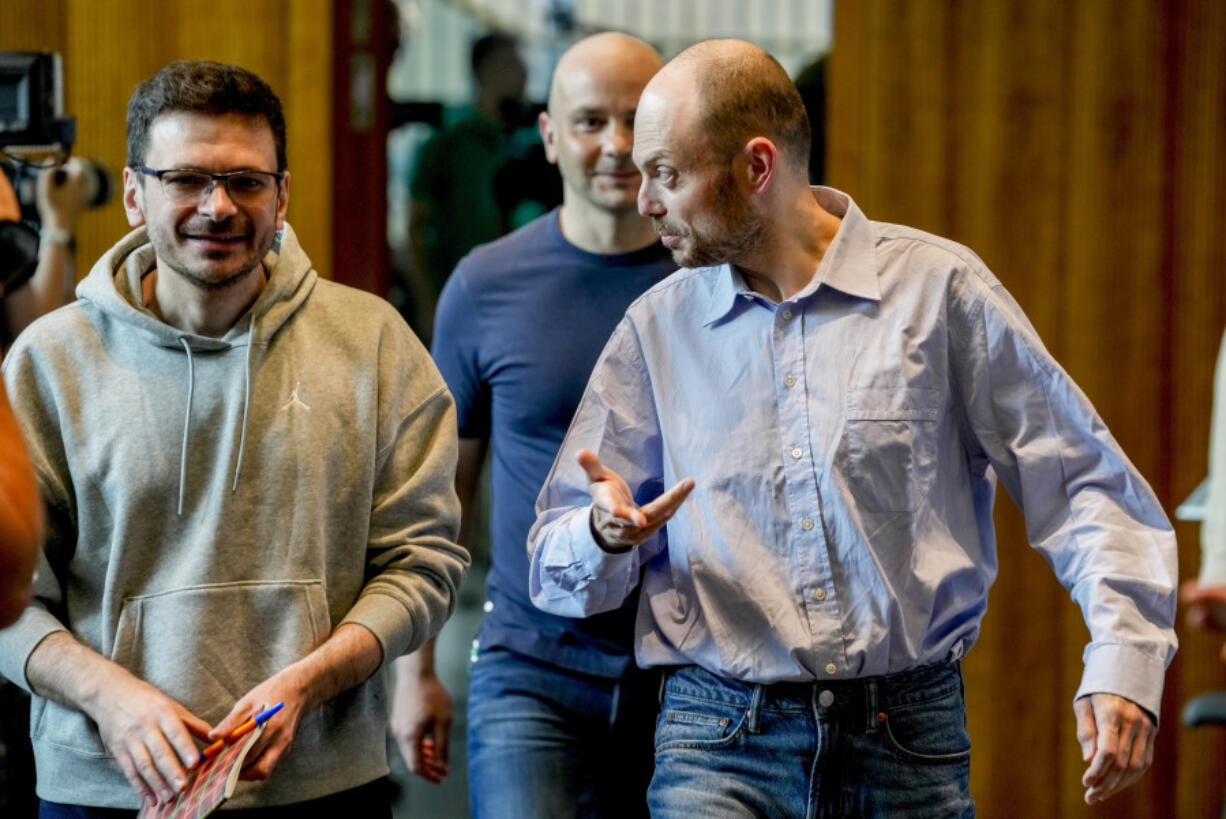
249,725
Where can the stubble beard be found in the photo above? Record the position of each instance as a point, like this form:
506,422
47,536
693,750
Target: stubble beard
171,251
735,232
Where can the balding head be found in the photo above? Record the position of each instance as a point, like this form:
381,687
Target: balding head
738,92
609,56
588,130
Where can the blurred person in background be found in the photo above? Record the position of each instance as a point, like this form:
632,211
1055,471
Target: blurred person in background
1205,596
560,719
61,196
453,206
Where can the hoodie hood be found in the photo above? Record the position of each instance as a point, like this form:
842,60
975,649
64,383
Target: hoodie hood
113,286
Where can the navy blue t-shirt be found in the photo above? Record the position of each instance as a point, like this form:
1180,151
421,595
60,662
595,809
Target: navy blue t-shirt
519,326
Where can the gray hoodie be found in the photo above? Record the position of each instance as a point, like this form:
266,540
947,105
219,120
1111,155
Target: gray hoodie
217,506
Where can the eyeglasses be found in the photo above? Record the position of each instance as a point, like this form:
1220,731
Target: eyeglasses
185,186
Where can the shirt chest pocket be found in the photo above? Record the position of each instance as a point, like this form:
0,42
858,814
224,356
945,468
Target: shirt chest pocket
887,452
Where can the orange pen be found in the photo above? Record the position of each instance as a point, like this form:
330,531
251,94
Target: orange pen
242,730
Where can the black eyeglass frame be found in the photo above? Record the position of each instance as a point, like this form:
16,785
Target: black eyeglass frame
223,177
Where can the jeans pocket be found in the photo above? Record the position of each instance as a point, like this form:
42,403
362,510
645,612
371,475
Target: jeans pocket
933,731
697,724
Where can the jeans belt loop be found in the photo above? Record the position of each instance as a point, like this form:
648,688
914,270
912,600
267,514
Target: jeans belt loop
665,673
870,702
755,707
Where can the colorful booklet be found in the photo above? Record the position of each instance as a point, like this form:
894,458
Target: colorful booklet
208,785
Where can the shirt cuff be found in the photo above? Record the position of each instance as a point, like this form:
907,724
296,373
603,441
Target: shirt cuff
1128,672
598,562
18,641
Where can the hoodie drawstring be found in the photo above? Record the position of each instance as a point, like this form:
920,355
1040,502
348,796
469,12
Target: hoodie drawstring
187,420
187,417
242,438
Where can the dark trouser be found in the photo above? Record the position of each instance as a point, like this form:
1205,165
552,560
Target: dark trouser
875,747
370,800
547,742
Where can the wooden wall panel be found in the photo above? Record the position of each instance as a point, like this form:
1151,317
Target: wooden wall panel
1080,149
108,47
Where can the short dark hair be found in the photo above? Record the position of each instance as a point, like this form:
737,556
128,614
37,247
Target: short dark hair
203,87
750,95
486,46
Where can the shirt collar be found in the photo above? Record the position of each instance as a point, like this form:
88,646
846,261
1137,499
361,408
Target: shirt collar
849,265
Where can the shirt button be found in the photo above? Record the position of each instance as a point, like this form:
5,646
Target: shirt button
820,594
826,698
831,668
489,605
787,314
797,452
806,524
789,381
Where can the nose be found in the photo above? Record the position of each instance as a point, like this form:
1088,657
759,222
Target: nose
217,203
649,205
619,140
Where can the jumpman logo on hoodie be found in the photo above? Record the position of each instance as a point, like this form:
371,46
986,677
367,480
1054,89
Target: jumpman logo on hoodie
295,401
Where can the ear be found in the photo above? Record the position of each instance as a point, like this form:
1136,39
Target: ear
549,137
133,198
761,164
282,201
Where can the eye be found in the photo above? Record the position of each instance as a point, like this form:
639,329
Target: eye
249,183
590,124
185,182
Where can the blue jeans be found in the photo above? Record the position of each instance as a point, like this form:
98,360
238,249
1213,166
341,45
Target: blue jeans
879,746
544,741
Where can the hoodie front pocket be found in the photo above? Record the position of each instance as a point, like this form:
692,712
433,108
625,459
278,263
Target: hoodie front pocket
206,646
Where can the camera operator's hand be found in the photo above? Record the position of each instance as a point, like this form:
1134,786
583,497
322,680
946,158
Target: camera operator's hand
61,194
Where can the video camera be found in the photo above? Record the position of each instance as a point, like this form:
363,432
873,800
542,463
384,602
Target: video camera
34,136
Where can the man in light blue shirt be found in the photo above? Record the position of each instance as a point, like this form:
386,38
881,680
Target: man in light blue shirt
836,398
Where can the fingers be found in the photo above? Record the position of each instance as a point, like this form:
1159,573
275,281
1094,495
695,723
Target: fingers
442,742
591,465
150,764
662,508
1087,732
240,713
135,773
1124,739
179,734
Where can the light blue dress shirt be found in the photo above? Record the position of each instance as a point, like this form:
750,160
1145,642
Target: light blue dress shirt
845,445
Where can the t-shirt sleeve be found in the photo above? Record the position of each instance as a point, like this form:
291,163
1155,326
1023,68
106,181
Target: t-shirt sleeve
456,352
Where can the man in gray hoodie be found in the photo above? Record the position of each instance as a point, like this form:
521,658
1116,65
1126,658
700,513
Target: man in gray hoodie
248,476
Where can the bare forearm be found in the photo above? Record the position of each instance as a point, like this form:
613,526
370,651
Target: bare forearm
419,663
50,287
344,661
64,670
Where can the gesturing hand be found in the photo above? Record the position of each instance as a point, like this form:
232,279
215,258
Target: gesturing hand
149,734
1117,740
616,520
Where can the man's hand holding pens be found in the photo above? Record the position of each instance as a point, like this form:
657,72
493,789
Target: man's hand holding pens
344,660
240,732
